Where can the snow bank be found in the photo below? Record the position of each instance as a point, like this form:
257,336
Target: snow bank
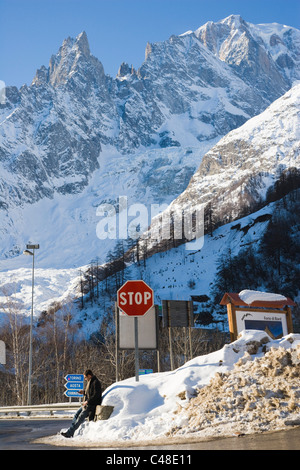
257,395
250,296
247,386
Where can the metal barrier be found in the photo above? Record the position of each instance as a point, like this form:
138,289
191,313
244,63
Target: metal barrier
5,410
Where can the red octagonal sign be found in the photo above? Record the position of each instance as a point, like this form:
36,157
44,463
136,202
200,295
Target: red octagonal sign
135,298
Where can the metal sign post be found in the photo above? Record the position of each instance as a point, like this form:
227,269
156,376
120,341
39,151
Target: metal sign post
30,253
136,343
2,353
147,333
117,341
135,299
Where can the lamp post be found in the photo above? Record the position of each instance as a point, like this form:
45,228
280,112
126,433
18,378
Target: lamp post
30,253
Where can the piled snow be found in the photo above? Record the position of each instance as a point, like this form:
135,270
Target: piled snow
250,296
247,386
257,395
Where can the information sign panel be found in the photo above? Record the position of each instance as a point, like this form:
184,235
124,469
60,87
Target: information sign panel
178,313
74,385
147,330
272,322
145,371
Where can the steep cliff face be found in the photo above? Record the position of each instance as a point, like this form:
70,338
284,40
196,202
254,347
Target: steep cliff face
51,140
265,56
237,172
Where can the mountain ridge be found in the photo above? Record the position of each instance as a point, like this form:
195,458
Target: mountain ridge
235,175
75,128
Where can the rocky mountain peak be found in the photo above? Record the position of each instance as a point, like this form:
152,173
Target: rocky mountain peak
125,70
148,50
241,45
73,59
234,22
82,44
72,53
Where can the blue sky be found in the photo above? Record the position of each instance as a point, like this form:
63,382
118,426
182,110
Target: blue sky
118,30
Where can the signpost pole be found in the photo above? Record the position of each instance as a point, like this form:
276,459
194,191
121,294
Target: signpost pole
136,339
190,313
170,335
2,353
117,340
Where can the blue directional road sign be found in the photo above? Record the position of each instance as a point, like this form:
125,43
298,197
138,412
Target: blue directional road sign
74,378
145,371
72,393
74,385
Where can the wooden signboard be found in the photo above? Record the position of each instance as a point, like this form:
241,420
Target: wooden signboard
272,316
178,313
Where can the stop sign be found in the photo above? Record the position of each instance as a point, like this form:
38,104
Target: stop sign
135,298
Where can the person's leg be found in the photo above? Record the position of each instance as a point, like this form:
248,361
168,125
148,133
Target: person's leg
92,411
78,419
76,415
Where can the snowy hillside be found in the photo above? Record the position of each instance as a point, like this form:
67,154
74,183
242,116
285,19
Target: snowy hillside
166,273
237,172
248,386
65,225
77,138
177,273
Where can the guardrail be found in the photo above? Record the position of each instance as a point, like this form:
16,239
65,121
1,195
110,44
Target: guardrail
29,409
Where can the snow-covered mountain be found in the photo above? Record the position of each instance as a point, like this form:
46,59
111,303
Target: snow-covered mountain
236,172
77,138
76,131
255,52
235,175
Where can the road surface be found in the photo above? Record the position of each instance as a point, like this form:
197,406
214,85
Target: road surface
20,434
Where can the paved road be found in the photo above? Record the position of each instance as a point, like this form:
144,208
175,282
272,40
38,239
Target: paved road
20,434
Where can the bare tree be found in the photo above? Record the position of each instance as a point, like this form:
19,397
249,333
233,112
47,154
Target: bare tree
16,335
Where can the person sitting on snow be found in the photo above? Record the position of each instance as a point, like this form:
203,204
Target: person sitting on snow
92,398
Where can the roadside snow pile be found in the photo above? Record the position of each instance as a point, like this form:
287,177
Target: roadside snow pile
250,385
261,394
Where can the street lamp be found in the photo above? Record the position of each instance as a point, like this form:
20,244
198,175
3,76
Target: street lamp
30,253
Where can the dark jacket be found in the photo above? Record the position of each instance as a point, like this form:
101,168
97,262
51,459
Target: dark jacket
93,393
93,396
